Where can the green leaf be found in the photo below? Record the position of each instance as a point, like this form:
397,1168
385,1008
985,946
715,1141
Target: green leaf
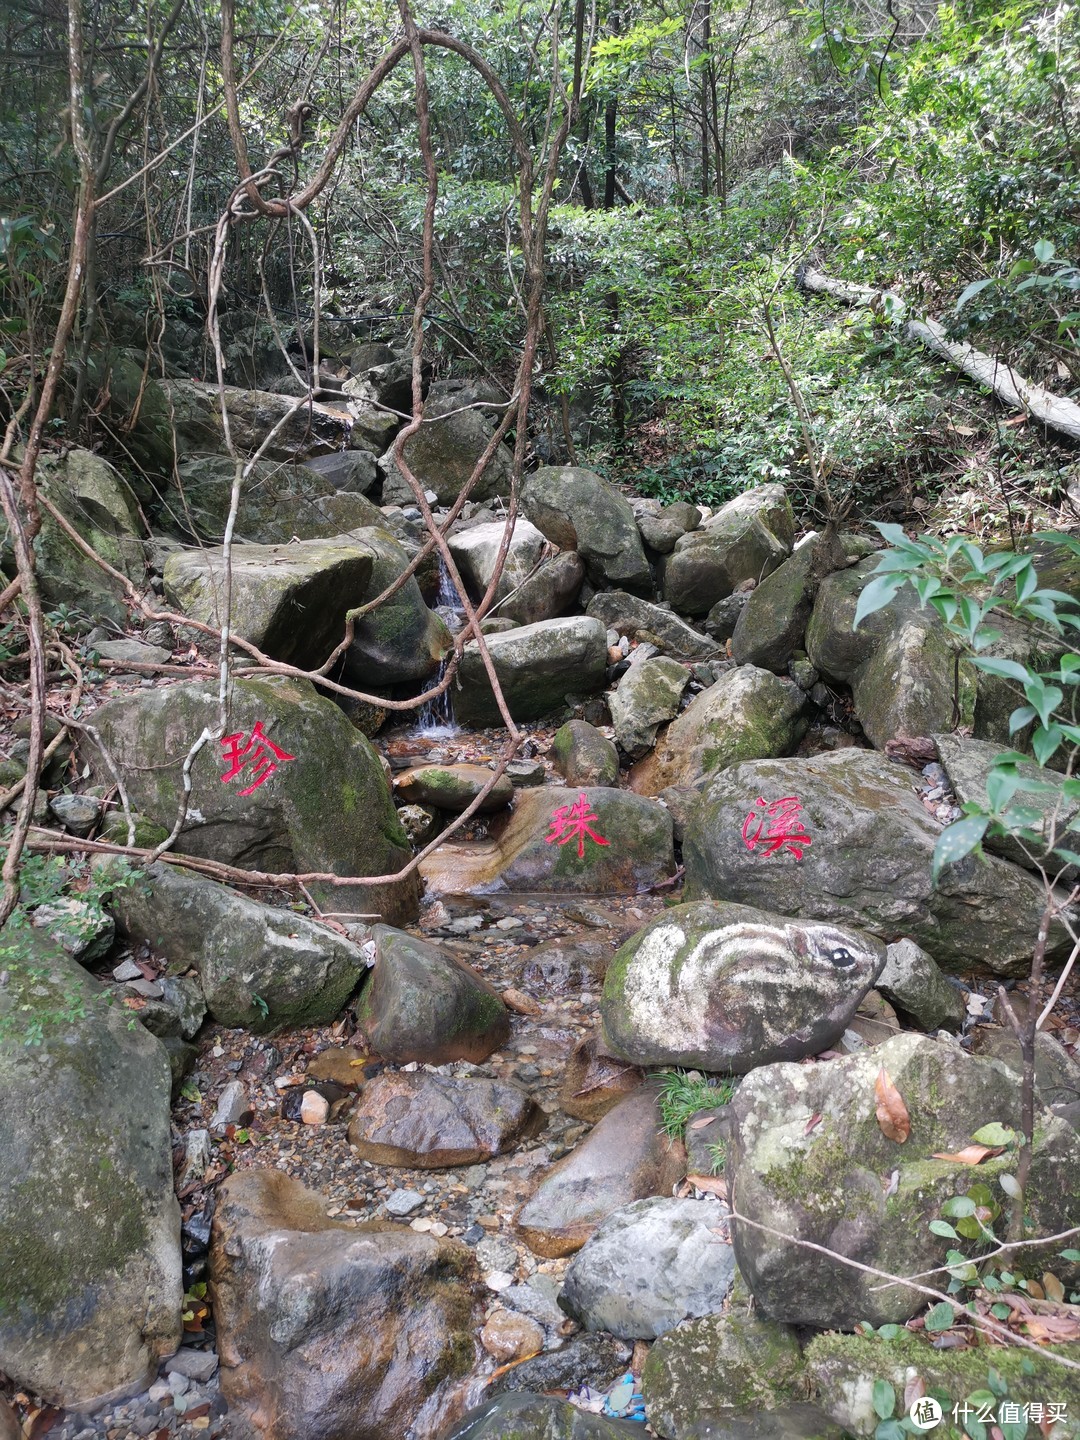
957,842
884,1399
1010,669
890,1430
970,291
958,1207
889,1332
996,1382
1023,715
1011,1186
1047,742
942,1227
1073,1256
876,595
1000,1312
994,1134
940,1317
1044,251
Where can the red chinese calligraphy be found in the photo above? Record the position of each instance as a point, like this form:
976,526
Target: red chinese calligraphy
570,822
260,751
776,826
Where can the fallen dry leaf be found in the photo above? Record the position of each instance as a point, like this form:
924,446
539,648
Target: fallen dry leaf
969,1155
701,1123
1053,1287
892,1113
710,1184
814,1120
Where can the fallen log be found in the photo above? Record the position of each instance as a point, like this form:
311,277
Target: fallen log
1010,387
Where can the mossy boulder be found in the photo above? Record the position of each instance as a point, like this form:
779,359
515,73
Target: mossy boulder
744,541
865,862
582,756
844,1184
727,988
538,666
577,510
630,615
288,600
259,967
749,714
844,1369
99,504
327,809
647,696
278,503
549,843
772,623
422,1004
402,639
329,1331
452,787
443,453
548,594
708,1370
90,1282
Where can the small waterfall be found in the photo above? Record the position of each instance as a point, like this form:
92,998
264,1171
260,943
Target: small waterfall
437,716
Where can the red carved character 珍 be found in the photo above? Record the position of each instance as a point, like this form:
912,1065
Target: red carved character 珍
260,750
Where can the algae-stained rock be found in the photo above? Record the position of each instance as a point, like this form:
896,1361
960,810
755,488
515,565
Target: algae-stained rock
728,988
749,714
625,1158
649,1266
548,594
423,1004
308,429
325,809
745,540
865,862
523,1415
258,966
538,667
660,531
711,1369
577,510
443,453
597,841
401,639
327,1331
648,695
98,503
772,623
1057,1074
843,1369
430,1122
913,983
595,1081
278,502
582,756
629,615
452,787
289,600
90,1283
844,1184
476,550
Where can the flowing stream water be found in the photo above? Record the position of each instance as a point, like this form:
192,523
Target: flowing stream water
437,716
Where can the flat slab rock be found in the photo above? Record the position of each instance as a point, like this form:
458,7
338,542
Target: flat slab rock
452,787
429,1122
625,1158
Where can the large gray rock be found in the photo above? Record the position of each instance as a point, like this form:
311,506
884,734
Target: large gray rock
326,809
423,1004
649,1266
648,695
548,594
728,988
745,540
662,530
288,600
582,756
402,639
577,510
476,551
442,455
749,714
90,1283
259,967
429,1122
772,623
538,667
914,985
596,841
864,861
326,1331
630,616
710,1373
98,503
452,787
525,1416
278,503
842,1183
625,1158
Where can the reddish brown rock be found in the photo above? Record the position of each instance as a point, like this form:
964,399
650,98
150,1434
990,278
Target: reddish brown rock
625,1158
510,1336
594,1081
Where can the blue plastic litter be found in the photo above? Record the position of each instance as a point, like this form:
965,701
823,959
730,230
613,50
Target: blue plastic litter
624,1401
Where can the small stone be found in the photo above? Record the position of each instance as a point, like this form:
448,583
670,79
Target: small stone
196,1157
127,970
197,1365
314,1108
521,1003
464,924
498,1280
77,813
526,773
159,1392
232,1105
403,1202
423,1224
509,922
148,989
508,1336
179,1384
439,1229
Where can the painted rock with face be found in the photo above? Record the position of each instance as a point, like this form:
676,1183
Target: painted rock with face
728,988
